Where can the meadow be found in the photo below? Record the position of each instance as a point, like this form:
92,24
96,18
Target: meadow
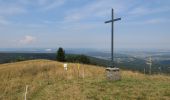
47,80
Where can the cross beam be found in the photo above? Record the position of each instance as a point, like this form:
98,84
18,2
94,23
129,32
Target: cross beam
113,20
112,36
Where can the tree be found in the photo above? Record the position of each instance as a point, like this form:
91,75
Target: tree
60,54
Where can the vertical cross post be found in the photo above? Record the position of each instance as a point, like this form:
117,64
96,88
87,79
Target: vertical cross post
112,36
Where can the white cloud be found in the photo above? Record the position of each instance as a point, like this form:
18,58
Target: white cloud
48,50
27,40
3,21
97,9
155,21
43,5
139,10
142,10
9,9
53,4
151,21
42,2
100,9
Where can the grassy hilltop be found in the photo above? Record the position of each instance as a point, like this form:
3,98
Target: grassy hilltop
47,80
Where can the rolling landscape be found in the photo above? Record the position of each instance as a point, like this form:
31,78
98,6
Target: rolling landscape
47,79
84,50
134,60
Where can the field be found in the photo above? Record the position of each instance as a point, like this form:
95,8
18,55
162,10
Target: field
47,80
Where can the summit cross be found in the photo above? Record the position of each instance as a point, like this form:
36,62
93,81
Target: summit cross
112,36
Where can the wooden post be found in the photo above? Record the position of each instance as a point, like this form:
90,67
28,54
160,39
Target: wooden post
78,67
83,72
26,88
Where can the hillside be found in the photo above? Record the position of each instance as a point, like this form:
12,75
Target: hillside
123,61
47,80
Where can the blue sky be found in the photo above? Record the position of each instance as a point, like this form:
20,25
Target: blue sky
145,24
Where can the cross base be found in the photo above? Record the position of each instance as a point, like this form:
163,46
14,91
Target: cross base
113,73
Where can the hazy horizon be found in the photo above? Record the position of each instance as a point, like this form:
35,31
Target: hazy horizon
81,50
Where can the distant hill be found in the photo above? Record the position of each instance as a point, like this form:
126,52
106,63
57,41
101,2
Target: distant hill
14,57
123,61
47,80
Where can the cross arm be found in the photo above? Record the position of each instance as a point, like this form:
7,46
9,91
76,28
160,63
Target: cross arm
117,19
108,21
113,20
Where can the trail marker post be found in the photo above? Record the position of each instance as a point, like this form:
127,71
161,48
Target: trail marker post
65,67
78,66
25,95
149,62
150,65
113,73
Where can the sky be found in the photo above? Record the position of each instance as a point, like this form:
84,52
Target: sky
145,24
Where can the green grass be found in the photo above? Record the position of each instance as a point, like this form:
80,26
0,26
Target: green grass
48,81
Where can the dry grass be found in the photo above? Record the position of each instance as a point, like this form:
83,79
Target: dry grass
48,80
